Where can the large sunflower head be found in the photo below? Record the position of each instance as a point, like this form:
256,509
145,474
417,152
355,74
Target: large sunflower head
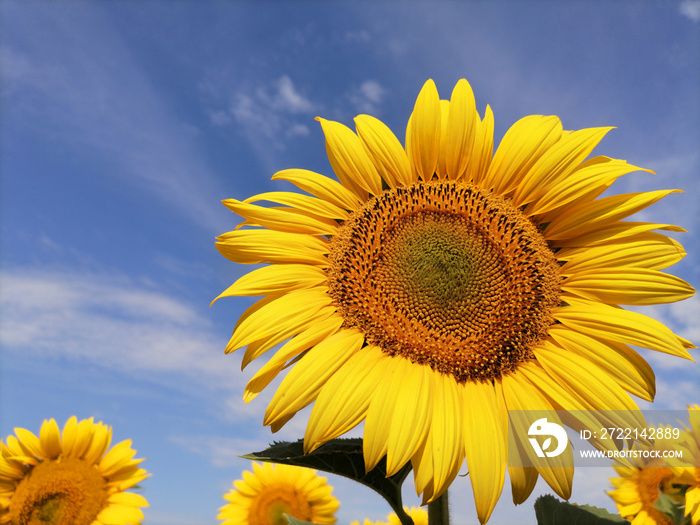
268,493
434,287
70,477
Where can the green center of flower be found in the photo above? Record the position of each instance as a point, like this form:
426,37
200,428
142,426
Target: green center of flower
446,276
66,492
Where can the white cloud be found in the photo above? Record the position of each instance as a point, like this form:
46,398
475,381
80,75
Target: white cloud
219,451
673,393
361,36
268,115
691,9
288,98
298,130
111,323
368,97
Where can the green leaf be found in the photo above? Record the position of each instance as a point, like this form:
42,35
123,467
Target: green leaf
673,509
343,457
550,511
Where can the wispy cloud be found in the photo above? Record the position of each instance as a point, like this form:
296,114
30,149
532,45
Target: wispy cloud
267,115
691,9
111,323
220,451
368,97
70,79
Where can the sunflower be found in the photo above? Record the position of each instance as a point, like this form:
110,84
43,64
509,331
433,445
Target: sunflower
643,480
690,475
69,478
435,288
637,490
265,495
418,514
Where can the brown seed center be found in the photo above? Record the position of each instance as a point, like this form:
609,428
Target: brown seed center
66,492
270,506
447,276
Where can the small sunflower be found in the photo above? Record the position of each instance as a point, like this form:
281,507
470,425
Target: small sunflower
637,491
643,480
690,475
265,495
69,478
418,514
435,288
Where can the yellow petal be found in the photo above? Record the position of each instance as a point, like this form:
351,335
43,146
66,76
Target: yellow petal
461,131
382,405
282,219
634,286
615,324
349,159
522,145
342,402
302,342
522,479
117,457
408,421
260,246
651,250
128,499
385,151
617,231
120,515
522,396
99,444
13,447
588,216
440,169
50,438
446,433
305,203
276,278
127,476
588,180
321,186
29,442
423,133
581,414
478,168
11,470
422,464
259,347
628,368
485,446
291,310
83,438
557,163
301,385
584,380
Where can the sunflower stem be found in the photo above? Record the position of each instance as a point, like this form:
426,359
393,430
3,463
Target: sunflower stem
439,511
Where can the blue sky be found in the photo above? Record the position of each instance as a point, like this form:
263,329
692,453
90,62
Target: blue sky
124,124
